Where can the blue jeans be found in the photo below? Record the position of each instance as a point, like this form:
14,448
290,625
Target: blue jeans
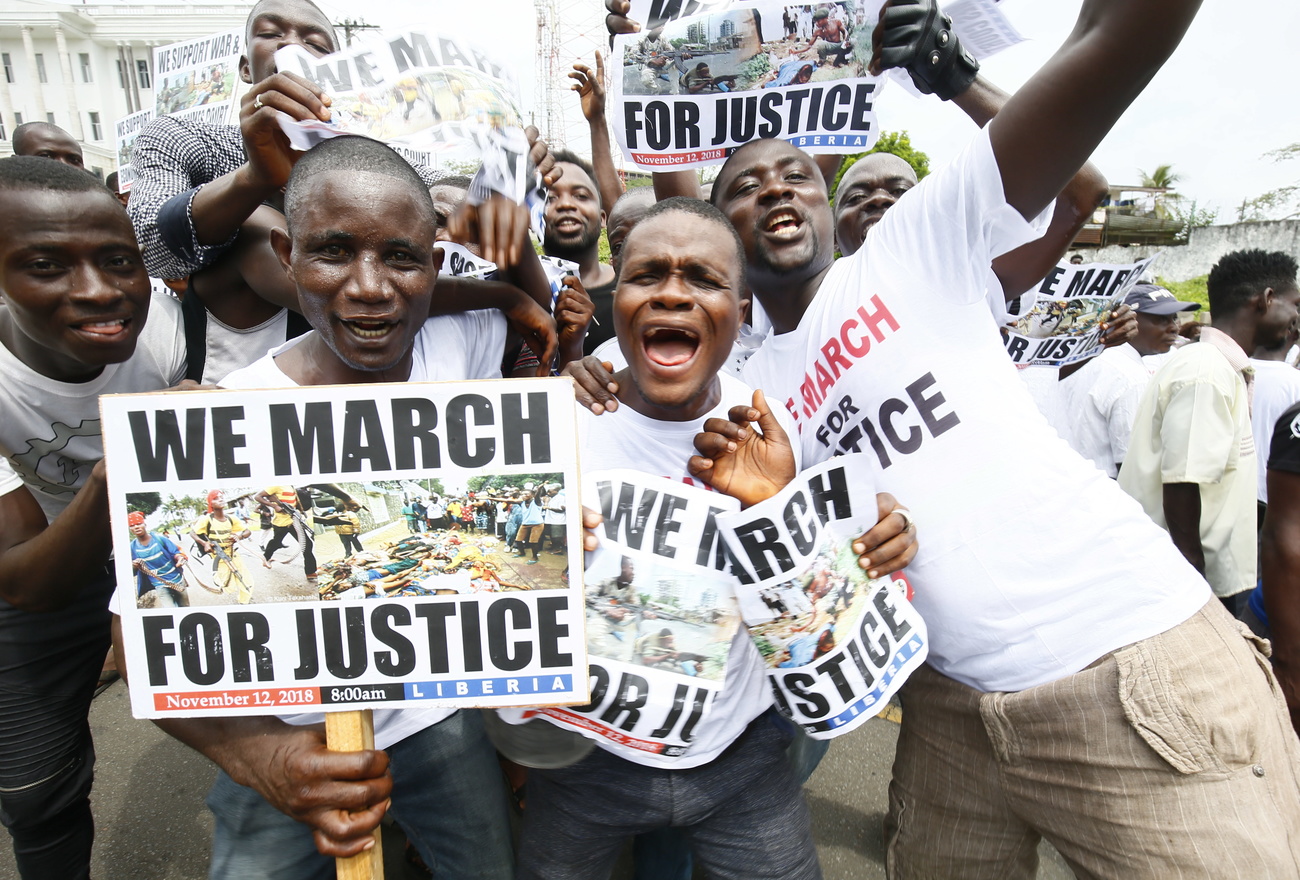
665,853
743,813
49,663
448,796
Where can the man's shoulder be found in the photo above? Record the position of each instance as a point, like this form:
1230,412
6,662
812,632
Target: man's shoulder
1196,362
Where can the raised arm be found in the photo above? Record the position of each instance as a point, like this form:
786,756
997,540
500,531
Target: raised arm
590,86
1024,267
1049,128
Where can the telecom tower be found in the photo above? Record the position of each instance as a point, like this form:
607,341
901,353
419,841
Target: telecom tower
567,30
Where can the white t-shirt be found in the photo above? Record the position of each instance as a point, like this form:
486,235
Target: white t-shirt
229,349
1044,385
49,435
1193,426
1277,386
627,439
555,504
1031,564
1102,400
449,347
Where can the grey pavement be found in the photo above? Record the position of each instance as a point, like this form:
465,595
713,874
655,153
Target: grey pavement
152,825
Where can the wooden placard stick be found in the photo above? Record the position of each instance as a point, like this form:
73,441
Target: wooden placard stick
352,732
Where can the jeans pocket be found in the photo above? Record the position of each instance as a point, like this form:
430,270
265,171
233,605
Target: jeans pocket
1157,712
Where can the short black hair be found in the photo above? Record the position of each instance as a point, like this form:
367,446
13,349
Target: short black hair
257,9
1240,276
20,133
35,173
111,182
351,154
683,205
573,158
459,181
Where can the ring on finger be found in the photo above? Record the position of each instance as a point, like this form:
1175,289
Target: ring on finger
257,103
907,518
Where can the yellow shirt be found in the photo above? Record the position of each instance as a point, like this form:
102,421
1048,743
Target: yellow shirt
219,532
287,495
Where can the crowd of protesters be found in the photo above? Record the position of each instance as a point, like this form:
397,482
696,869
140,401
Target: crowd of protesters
1085,582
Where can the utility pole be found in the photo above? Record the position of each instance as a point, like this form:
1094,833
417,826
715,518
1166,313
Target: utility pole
351,25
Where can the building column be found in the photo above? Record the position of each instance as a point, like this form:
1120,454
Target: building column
69,84
39,89
6,107
134,78
131,106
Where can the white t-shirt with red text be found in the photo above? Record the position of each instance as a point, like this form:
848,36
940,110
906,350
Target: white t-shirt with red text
1031,563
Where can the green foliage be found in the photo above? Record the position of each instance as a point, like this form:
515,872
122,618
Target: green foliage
1192,216
144,502
1163,176
492,482
754,70
1282,203
1191,290
897,142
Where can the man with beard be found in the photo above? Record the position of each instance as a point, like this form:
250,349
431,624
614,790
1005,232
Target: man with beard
1191,462
1062,621
574,218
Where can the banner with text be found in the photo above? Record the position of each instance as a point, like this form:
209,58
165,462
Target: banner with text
196,80
420,92
701,79
837,644
1069,306
127,129
269,555
661,613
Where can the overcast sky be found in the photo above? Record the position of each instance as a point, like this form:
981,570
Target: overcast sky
1228,95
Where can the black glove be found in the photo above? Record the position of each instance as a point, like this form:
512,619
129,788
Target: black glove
917,36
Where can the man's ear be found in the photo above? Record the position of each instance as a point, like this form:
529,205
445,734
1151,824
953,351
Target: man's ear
1264,299
744,310
438,254
604,220
282,245
245,70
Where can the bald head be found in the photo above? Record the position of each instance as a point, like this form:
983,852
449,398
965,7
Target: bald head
47,141
867,190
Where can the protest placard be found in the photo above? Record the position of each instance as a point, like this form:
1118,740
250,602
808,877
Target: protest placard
983,28
837,644
126,130
389,609
661,613
196,79
1063,326
701,79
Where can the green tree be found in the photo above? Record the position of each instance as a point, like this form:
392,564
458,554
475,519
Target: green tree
897,142
1282,203
144,502
1164,177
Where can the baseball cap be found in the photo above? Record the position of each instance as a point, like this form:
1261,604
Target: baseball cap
1152,300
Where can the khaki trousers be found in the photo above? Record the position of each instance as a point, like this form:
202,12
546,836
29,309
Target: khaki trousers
1173,757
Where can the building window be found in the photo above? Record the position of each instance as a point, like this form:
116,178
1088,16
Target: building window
142,71
49,117
98,172
18,118
96,132
40,68
3,135
9,67
85,68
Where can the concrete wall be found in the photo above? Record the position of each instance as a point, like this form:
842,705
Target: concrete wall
1205,246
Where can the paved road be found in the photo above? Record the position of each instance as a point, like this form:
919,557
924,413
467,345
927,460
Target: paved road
152,824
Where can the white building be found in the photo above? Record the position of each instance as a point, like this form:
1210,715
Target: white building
85,67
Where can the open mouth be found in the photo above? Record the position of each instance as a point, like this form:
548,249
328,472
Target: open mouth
370,329
670,346
106,329
783,224
568,226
